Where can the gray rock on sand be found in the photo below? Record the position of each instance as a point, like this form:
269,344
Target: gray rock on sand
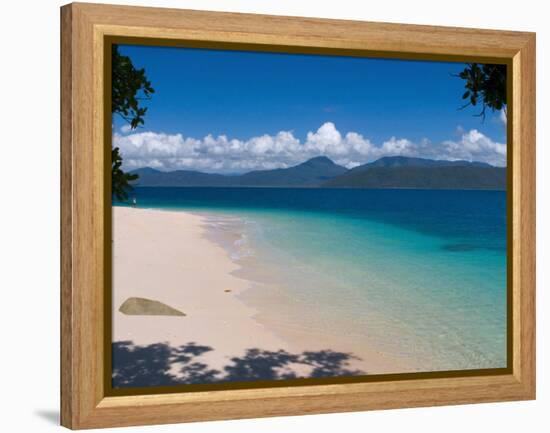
147,307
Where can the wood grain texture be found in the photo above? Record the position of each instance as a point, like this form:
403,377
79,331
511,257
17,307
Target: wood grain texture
305,32
524,130
85,28
67,394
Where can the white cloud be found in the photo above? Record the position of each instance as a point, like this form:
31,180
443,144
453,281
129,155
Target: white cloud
396,146
125,129
225,155
327,140
474,146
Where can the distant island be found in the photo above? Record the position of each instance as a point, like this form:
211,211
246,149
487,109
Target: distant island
321,172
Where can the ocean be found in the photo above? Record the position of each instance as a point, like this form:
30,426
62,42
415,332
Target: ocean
420,275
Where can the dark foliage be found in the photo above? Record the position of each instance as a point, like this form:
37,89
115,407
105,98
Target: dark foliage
485,85
120,179
153,365
129,87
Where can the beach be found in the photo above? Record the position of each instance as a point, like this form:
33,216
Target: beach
174,258
253,284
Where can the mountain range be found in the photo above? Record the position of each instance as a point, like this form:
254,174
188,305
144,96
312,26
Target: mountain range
386,172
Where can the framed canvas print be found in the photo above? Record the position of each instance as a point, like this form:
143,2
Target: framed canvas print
269,216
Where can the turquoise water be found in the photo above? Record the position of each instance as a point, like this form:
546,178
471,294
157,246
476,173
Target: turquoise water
418,274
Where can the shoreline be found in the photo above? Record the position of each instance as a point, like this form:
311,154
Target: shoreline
162,256
184,260
266,291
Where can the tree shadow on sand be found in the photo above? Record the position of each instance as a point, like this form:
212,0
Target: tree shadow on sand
160,364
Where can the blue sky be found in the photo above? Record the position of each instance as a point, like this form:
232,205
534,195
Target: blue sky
251,98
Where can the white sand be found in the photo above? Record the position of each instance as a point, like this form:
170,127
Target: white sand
164,256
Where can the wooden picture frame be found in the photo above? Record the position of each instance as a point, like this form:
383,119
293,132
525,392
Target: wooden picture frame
86,30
